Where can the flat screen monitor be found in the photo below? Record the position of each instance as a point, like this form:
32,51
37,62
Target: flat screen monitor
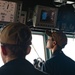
44,16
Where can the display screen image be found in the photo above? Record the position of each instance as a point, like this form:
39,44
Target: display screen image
47,16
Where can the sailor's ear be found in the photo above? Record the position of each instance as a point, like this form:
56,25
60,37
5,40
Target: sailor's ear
3,50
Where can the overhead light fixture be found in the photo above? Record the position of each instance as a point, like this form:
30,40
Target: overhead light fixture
64,1
60,1
70,2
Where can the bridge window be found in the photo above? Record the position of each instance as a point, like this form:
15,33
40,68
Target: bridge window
37,51
69,49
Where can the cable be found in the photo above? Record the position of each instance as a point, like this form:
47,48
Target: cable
35,50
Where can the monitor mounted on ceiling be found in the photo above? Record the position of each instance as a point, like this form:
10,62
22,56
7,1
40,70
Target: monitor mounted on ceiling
44,16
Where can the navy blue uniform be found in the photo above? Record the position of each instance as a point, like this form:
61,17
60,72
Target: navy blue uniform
19,67
59,64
